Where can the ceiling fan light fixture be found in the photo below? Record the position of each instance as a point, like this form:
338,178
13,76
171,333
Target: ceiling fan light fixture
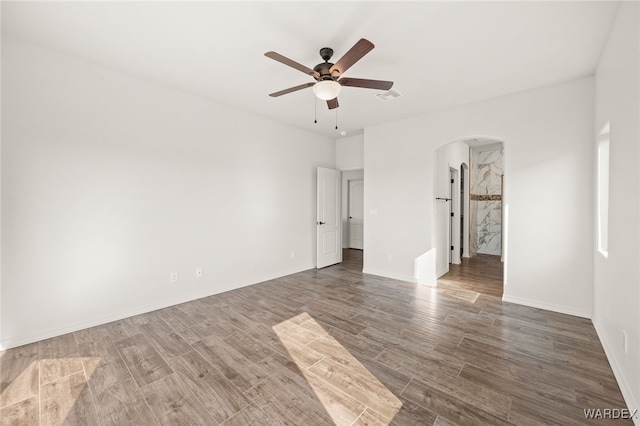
327,89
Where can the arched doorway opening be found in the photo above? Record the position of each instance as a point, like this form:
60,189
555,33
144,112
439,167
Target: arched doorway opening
469,215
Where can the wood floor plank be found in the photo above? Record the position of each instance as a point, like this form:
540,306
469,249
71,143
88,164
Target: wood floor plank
124,328
412,414
177,319
322,347
143,361
57,368
267,415
303,355
535,370
514,387
392,379
492,372
164,339
357,382
419,365
278,363
342,407
14,361
68,401
59,347
173,403
123,404
102,362
204,329
450,407
233,365
481,397
22,413
371,418
218,395
19,374
289,394
251,348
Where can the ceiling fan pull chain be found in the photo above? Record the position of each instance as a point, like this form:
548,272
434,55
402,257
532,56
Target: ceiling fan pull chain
336,118
315,110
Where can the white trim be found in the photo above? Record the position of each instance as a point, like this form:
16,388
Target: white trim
625,388
391,276
569,310
398,277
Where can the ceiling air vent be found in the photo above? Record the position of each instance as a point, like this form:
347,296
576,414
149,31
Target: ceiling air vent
388,95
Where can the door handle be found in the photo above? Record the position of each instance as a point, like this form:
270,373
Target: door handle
320,223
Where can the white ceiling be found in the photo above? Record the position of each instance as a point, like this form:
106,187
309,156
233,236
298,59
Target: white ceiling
439,54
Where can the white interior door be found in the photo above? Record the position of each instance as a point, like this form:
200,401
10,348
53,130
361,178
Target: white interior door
329,250
356,214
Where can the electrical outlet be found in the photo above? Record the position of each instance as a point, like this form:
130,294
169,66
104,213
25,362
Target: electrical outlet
293,254
199,272
388,257
173,277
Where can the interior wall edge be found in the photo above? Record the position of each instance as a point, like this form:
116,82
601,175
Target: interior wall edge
561,309
624,385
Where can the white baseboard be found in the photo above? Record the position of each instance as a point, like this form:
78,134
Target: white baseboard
625,388
388,275
569,310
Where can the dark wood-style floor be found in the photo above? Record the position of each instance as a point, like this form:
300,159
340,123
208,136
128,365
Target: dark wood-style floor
323,347
482,273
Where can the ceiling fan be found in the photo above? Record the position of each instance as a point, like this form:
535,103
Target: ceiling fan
328,76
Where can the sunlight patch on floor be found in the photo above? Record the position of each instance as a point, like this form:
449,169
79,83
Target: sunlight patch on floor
461,294
348,391
46,391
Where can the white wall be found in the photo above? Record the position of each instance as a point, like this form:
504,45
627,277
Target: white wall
350,152
110,183
449,156
549,164
616,305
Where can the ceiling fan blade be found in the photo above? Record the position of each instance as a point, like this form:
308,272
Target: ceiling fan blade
361,48
333,103
291,89
367,84
293,64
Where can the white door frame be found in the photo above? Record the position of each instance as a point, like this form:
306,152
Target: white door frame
454,219
354,223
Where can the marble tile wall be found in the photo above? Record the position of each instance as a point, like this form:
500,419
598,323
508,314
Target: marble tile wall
486,202
473,227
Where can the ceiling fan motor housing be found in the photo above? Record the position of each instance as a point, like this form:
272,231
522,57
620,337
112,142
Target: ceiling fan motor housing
324,69
326,53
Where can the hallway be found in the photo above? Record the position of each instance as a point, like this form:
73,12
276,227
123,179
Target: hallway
482,273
